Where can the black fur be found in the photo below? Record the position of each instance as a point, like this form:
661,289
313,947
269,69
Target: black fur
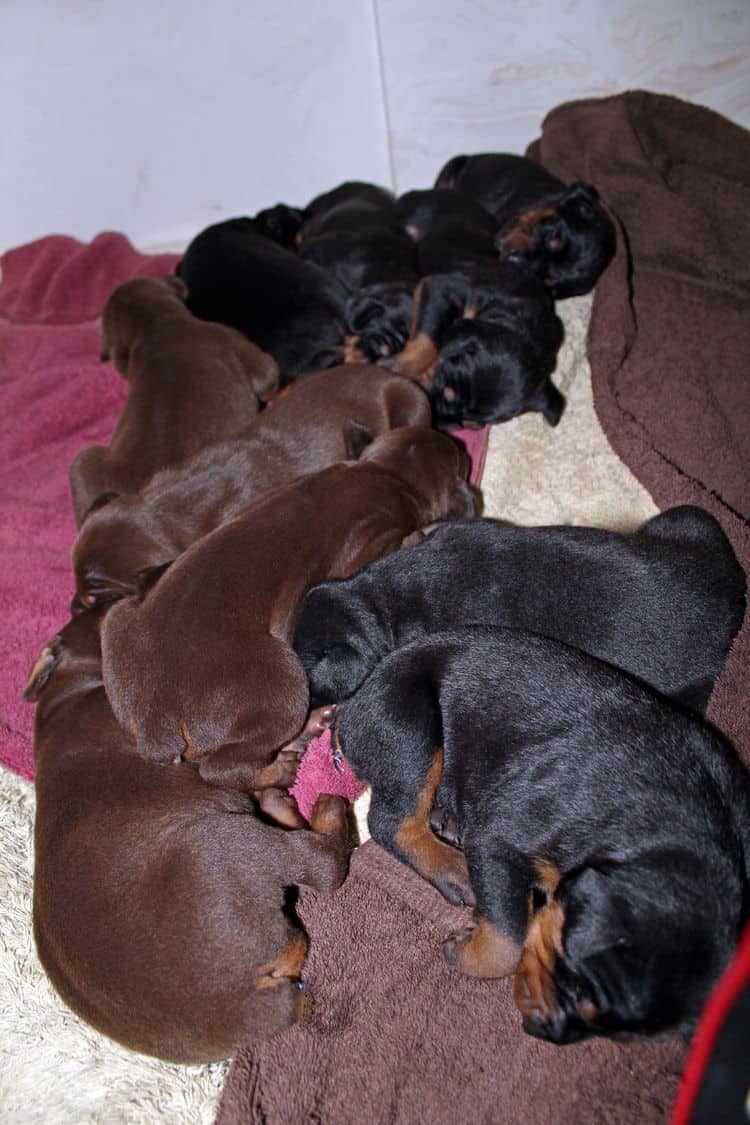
552,757
354,233
568,249
663,604
237,273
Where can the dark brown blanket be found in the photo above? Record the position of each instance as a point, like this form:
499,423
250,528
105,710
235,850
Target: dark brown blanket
394,1035
669,340
397,1038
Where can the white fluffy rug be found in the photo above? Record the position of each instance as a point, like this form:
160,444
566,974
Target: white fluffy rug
56,1070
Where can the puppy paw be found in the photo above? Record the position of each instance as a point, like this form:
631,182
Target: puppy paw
279,807
452,947
455,890
329,815
445,825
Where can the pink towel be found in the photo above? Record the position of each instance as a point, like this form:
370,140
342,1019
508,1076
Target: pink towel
55,398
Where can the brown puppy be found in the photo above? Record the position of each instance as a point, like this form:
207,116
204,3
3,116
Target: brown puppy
326,417
190,383
204,663
159,901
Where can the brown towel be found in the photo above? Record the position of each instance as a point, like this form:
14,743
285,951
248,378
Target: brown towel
394,1036
669,340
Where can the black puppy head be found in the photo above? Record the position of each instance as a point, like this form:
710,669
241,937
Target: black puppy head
337,640
110,551
481,378
568,243
281,223
381,320
617,952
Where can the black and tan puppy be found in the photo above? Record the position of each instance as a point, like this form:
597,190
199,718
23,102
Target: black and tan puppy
329,416
663,604
236,273
562,232
203,663
484,345
453,233
189,384
605,832
355,234
159,900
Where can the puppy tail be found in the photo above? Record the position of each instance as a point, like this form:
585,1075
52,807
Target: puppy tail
550,402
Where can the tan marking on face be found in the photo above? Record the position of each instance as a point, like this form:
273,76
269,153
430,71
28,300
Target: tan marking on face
284,968
520,236
431,857
43,661
486,953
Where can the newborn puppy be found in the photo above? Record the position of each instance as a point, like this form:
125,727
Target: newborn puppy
453,233
236,274
663,604
355,234
562,233
329,416
159,901
189,384
484,344
203,664
605,832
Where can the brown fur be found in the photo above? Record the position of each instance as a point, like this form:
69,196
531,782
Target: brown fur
432,858
190,382
325,417
209,648
159,900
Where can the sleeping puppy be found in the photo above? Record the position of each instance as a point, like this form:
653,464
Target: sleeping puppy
563,233
605,832
238,275
484,344
160,909
329,416
453,233
663,604
203,663
189,384
354,233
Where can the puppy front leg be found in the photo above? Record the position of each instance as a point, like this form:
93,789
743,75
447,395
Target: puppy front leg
437,302
493,947
412,839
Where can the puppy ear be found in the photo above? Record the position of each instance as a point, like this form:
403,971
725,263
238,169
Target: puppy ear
579,190
172,281
42,668
357,436
102,499
147,578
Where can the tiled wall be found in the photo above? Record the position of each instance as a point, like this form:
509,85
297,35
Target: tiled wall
157,117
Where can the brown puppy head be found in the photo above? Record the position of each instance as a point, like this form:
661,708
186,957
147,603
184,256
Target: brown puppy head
133,307
620,951
433,465
112,548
